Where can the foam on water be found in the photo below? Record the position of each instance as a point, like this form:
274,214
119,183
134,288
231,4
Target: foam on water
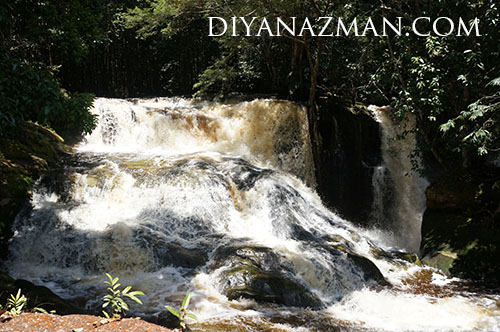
175,174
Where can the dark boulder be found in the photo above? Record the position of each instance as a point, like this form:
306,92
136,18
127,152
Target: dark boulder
461,228
257,273
38,296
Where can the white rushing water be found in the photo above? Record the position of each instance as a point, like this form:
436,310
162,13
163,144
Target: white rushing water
175,195
398,189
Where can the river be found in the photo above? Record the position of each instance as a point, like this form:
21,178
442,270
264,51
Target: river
175,195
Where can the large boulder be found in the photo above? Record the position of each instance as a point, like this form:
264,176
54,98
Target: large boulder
24,156
461,226
257,273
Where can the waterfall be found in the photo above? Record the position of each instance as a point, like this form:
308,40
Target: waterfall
268,132
398,188
175,195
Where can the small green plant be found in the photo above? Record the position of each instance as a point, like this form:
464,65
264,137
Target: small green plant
16,304
182,313
43,311
115,297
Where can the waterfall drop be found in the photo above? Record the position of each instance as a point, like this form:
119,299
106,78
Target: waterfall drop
398,188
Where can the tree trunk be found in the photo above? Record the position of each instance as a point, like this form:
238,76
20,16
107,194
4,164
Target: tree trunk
312,108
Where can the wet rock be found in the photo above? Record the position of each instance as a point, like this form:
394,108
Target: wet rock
256,273
369,271
24,155
442,259
350,151
38,296
409,257
164,318
450,194
460,230
180,256
245,175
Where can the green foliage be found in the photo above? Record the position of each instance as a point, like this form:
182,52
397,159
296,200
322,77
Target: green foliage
16,304
218,78
115,298
29,91
443,81
42,310
182,313
481,121
36,39
50,31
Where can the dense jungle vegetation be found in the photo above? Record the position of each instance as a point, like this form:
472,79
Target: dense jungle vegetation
54,53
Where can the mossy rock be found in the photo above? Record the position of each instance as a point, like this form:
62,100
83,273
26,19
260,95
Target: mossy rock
442,259
461,245
15,186
256,272
25,154
461,228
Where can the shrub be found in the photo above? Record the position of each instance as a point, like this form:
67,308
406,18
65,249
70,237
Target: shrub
115,297
29,91
182,313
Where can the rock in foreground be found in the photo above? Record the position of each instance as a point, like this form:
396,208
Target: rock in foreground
35,322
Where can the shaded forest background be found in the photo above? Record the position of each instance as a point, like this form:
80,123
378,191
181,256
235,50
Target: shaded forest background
132,48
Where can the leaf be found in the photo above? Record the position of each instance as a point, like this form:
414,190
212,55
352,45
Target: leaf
173,311
125,306
447,126
185,303
120,301
482,151
192,316
137,292
131,296
41,310
494,82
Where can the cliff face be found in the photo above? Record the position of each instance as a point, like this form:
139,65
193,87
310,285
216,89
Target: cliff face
25,154
461,226
351,150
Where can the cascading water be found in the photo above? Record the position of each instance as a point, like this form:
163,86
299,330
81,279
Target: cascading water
173,195
398,189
